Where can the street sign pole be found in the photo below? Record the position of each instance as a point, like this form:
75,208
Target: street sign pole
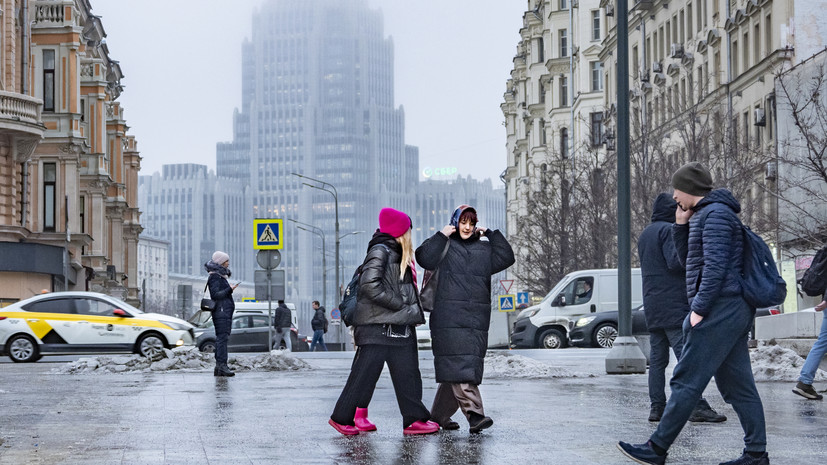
269,259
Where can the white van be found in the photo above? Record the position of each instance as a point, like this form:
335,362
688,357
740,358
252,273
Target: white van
547,324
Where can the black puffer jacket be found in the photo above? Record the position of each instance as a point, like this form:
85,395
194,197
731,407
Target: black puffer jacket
319,321
462,305
384,299
711,247
664,278
220,290
283,317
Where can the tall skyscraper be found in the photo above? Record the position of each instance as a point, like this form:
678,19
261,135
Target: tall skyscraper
317,100
197,214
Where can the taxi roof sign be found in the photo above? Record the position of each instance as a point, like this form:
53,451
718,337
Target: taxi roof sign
268,234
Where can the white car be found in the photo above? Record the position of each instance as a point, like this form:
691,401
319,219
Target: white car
62,323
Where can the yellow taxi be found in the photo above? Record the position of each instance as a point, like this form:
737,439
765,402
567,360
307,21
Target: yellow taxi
63,323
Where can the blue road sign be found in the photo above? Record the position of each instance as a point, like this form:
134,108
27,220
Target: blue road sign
335,314
269,234
507,303
522,298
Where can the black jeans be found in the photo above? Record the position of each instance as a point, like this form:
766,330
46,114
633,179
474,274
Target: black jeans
223,322
403,364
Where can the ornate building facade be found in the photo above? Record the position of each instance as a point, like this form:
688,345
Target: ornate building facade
69,217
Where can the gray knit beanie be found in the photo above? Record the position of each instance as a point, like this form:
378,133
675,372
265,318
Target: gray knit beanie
693,179
220,257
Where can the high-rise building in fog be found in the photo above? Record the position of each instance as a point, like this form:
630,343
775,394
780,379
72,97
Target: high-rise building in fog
197,213
317,100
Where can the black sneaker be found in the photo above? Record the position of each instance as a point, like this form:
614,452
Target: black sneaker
747,459
807,391
479,422
655,413
706,415
642,453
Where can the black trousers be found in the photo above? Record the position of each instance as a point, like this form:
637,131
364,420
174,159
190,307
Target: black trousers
403,364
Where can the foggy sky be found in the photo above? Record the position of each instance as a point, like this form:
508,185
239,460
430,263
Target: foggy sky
181,60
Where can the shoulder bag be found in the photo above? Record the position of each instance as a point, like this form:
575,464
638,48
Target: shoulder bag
427,296
207,305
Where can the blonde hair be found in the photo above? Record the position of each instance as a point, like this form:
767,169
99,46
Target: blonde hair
407,252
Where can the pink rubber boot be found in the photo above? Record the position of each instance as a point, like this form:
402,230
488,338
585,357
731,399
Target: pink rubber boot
361,420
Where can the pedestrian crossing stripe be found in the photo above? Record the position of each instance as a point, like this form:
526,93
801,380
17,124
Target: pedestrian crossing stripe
268,234
507,302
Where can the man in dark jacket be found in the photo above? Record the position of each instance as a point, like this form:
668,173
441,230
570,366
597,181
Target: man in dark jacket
319,326
709,239
665,305
282,321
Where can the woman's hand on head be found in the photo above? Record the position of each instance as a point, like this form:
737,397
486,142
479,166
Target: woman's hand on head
448,230
481,231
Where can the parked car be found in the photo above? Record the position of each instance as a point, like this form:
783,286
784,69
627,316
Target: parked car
423,335
250,332
61,323
600,329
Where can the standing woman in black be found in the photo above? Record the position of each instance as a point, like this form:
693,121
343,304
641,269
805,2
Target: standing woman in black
387,312
222,317
462,312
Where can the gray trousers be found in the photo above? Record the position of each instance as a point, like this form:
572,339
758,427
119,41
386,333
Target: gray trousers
284,335
452,396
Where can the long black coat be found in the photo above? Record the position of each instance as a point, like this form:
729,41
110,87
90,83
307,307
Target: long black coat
664,277
462,308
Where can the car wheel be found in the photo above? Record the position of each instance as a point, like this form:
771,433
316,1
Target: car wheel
552,339
207,346
604,335
150,345
23,349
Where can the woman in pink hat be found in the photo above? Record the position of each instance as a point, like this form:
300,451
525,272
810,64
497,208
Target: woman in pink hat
387,312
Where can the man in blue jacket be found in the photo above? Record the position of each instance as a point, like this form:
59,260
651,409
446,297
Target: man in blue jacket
665,305
709,239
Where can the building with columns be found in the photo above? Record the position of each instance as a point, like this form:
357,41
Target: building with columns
69,217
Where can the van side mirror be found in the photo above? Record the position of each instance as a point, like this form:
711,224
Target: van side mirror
559,301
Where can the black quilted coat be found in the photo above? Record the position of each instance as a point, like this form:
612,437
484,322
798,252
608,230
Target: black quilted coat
462,308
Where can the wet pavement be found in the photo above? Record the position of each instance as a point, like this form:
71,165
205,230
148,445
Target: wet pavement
280,417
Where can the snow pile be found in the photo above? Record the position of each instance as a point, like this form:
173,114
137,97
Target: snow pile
506,365
183,359
775,363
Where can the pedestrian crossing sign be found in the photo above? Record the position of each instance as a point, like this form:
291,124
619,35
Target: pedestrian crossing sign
507,302
268,234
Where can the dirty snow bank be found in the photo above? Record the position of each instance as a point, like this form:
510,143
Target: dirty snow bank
506,365
181,359
772,362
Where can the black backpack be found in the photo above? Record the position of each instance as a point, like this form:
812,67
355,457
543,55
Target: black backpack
347,306
761,283
814,281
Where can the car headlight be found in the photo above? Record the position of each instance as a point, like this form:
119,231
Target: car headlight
177,326
528,313
584,321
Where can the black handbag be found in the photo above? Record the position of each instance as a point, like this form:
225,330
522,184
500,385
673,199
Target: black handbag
427,296
207,305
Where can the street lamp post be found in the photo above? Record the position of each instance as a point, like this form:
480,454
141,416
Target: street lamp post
330,189
319,232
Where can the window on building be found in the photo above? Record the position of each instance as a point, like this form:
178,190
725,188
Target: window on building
734,58
596,120
541,52
564,91
564,142
596,69
543,132
49,195
48,80
564,43
689,30
756,46
745,48
768,111
768,34
595,24
541,91
564,4
745,121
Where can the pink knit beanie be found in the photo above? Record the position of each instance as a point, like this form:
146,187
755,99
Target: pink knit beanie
393,222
